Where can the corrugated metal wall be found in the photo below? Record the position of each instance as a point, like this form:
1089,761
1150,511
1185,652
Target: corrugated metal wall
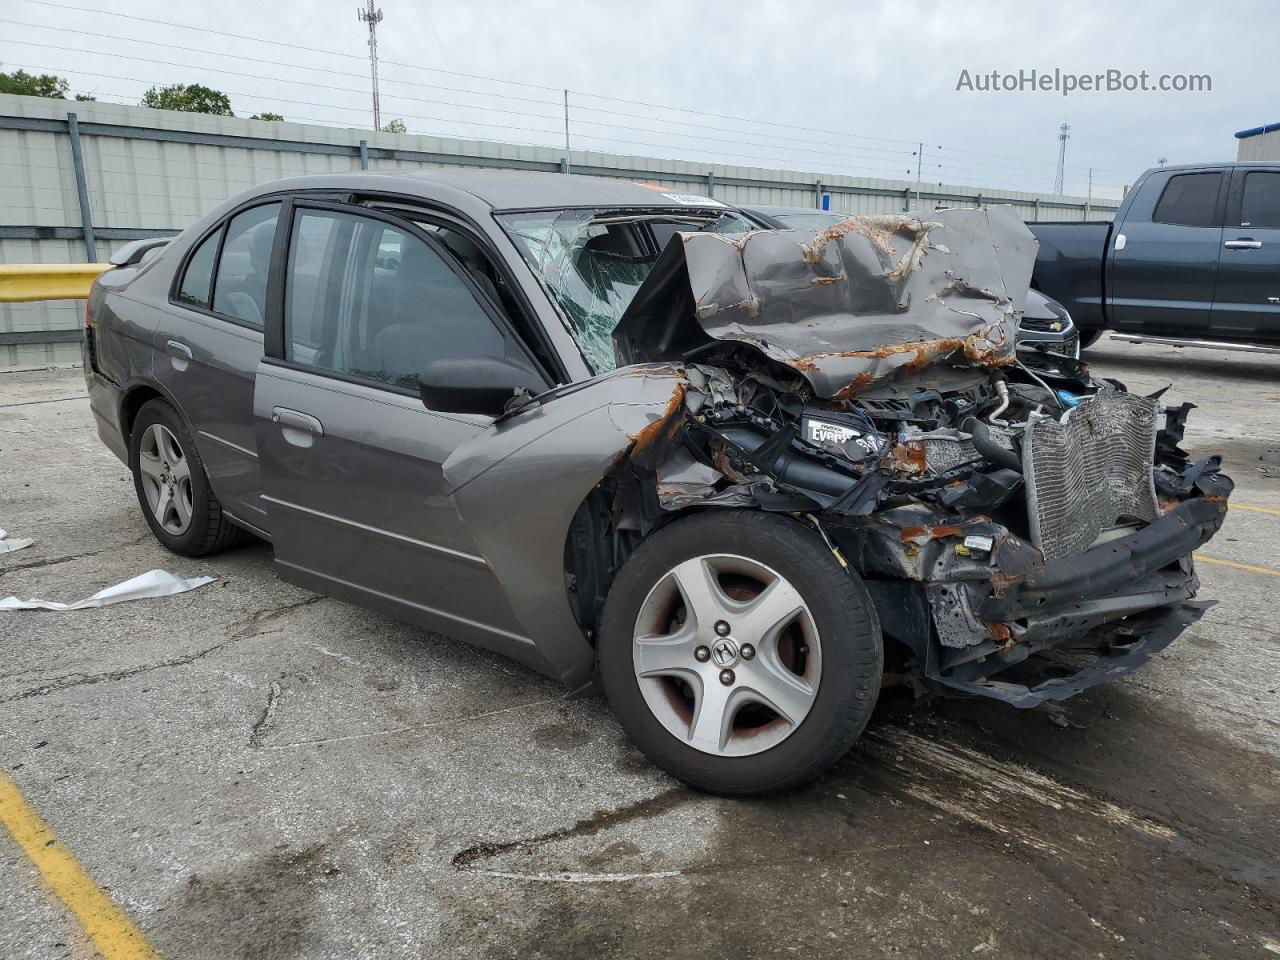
152,170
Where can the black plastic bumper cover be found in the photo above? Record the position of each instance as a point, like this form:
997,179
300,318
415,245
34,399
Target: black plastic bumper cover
1177,619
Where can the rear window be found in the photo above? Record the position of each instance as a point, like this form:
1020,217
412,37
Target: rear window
1261,204
1190,200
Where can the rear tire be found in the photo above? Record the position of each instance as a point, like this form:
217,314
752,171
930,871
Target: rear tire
172,486
823,666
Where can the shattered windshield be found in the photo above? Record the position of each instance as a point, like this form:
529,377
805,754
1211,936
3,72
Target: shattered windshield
592,262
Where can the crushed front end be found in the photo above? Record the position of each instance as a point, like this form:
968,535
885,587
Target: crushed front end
1025,528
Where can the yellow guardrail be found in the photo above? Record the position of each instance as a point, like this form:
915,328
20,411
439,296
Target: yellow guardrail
22,282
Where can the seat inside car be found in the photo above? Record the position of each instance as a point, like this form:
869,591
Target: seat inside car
423,312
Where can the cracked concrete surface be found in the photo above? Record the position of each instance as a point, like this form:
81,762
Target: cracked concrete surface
254,771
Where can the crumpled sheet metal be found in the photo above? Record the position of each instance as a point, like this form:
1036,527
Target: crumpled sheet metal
867,298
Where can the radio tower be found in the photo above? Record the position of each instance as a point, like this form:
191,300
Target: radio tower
1064,134
373,17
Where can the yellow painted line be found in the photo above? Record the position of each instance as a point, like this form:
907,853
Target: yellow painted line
1252,509
1269,571
112,933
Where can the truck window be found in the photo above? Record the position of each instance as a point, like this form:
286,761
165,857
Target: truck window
1190,200
1260,206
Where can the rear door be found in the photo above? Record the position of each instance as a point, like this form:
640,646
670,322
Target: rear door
209,344
1164,255
351,459
1247,302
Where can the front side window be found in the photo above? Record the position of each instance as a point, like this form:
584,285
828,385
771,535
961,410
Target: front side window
369,299
1261,203
1190,200
592,262
240,289
197,281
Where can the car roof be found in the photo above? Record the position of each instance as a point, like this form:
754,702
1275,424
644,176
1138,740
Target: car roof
512,189
1225,164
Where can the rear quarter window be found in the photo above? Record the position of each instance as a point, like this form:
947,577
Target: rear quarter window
197,279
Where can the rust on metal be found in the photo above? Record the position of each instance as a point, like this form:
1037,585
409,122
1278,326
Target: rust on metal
663,427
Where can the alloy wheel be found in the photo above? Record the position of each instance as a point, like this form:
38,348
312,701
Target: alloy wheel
727,655
166,478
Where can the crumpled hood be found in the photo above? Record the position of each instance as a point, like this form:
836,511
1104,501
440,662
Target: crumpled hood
847,307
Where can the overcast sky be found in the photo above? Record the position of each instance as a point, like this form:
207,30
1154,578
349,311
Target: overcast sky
838,87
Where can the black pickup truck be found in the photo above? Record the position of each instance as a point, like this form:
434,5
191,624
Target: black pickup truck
1192,255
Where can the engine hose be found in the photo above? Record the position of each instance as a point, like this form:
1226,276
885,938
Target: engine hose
986,446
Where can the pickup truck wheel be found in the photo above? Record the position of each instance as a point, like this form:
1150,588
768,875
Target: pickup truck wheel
173,489
1089,338
738,654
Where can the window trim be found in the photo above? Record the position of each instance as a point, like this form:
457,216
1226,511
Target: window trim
1218,201
274,340
181,273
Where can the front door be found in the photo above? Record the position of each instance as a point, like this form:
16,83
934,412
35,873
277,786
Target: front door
1247,303
350,458
1164,256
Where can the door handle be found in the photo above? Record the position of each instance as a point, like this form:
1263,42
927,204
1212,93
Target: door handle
179,354
299,429
1244,243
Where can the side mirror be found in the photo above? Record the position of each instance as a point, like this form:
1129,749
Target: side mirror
476,385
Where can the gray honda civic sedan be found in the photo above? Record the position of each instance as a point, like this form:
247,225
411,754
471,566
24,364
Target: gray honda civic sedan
733,477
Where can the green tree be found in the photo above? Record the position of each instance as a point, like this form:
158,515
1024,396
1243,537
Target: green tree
30,85
395,126
190,98
266,116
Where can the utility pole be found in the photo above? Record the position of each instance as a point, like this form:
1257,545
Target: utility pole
566,131
1161,161
373,17
1091,184
1064,134
919,161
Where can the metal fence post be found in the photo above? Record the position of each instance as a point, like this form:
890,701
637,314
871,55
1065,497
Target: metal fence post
1036,214
817,195
82,190
906,200
711,184
364,154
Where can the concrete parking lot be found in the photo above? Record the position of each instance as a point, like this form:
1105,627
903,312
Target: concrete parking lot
249,770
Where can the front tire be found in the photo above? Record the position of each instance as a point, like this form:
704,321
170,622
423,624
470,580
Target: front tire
172,486
738,654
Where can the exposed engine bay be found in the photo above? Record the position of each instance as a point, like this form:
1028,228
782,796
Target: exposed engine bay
998,503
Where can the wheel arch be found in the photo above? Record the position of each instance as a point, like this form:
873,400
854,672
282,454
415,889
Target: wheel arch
136,394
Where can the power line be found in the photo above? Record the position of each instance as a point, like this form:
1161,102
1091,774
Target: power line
413,66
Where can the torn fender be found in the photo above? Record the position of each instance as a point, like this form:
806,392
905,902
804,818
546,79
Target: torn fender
518,484
846,307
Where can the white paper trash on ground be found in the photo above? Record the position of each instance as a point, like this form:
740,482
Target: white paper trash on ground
17,543
153,583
